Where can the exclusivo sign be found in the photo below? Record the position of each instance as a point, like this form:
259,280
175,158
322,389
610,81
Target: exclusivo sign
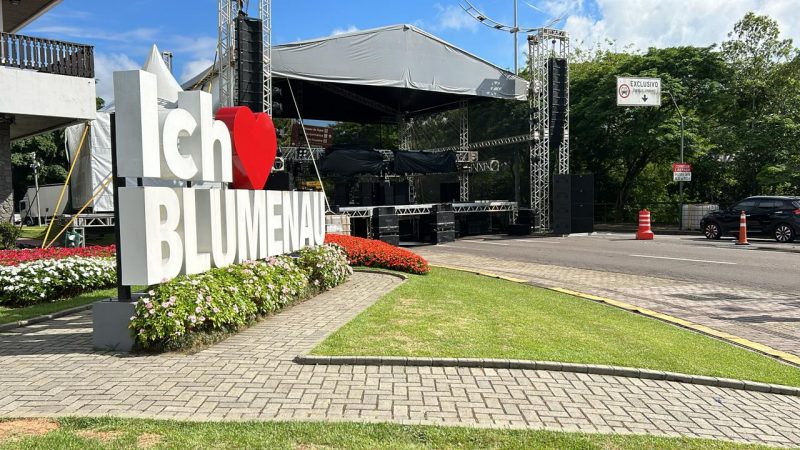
169,231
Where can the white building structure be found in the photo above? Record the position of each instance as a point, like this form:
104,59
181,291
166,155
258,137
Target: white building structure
44,85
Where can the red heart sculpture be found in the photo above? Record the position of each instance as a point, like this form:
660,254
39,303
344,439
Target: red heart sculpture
254,146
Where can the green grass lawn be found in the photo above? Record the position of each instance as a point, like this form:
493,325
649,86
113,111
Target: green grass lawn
8,315
93,236
33,232
119,433
456,314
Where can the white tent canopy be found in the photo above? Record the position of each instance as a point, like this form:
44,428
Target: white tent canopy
399,56
399,67
94,161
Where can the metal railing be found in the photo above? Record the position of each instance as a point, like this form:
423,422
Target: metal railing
46,55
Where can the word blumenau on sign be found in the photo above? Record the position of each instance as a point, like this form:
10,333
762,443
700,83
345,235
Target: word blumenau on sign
168,231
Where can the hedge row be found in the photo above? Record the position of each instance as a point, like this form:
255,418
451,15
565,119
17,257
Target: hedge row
224,300
374,253
47,280
16,257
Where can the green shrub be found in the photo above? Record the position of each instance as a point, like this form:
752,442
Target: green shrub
46,280
8,235
191,308
326,266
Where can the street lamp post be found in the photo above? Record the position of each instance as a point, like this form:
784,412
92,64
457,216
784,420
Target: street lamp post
35,166
680,183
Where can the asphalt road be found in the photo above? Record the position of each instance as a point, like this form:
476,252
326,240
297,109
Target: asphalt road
765,265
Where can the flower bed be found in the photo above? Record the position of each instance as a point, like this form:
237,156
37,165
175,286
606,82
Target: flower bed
15,257
224,300
46,280
374,253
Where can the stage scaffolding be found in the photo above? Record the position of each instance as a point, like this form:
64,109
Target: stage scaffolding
543,46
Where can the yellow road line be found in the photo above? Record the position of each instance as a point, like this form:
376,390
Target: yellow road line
650,313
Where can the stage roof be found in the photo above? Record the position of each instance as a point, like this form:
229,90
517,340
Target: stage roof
375,75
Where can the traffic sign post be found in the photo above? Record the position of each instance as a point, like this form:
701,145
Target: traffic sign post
637,91
681,172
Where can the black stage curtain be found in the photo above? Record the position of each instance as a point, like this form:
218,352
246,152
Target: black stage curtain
349,162
406,162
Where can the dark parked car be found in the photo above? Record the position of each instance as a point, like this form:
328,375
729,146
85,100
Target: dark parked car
777,217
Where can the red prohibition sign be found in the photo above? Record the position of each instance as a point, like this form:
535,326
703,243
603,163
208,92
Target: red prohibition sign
624,91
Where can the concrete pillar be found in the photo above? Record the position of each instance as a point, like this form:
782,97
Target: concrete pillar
6,187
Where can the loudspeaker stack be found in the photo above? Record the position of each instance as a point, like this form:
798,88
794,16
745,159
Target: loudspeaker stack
445,224
385,224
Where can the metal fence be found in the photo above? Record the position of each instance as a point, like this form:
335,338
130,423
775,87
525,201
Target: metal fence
45,55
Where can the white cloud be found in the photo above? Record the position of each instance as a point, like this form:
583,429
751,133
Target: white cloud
136,34
194,67
647,23
349,29
452,17
105,64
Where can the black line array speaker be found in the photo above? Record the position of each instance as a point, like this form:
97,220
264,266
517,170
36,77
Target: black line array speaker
557,71
249,63
573,204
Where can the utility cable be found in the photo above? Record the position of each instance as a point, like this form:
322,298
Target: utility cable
308,145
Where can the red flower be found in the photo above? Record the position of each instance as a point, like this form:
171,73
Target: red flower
14,257
373,253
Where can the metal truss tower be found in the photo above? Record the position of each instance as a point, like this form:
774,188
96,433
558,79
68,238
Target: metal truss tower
546,44
463,143
228,11
265,14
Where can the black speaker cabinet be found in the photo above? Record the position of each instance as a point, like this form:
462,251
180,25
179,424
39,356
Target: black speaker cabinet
279,181
573,204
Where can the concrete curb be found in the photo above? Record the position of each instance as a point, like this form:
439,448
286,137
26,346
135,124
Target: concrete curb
593,369
400,275
38,319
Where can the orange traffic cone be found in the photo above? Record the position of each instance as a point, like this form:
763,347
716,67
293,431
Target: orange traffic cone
644,233
742,230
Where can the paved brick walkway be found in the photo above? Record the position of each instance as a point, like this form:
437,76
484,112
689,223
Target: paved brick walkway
50,369
769,318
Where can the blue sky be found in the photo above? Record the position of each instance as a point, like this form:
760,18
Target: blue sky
123,31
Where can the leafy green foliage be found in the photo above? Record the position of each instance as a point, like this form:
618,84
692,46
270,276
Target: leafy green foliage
50,154
8,235
223,300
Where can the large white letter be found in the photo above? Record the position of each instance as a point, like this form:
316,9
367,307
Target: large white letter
150,228
194,260
291,221
319,218
211,142
306,219
177,124
251,221
136,124
219,207
274,223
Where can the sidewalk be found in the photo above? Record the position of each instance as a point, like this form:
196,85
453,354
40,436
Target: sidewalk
49,369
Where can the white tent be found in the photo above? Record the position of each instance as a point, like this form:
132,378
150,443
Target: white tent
94,161
399,68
